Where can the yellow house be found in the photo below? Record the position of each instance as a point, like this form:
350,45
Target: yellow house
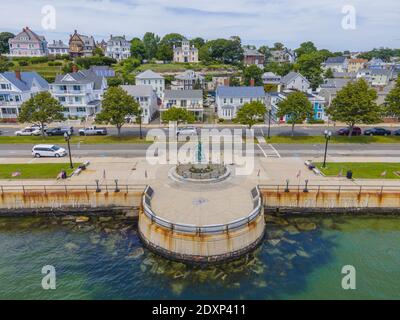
354,65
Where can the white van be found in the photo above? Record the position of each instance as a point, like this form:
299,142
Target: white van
48,150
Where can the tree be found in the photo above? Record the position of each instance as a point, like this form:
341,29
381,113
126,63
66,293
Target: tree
138,51
222,51
165,48
306,48
234,82
309,65
393,100
117,104
355,103
278,46
328,74
266,51
281,69
253,72
150,42
98,52
296,107
5,65
177,114
251,113
4,37
197,42
42,109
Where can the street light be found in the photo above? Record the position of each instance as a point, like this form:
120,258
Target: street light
269,123
67,137
328,135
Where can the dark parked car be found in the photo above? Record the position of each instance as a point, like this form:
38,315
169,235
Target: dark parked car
345,132
59,131
377,132
397,132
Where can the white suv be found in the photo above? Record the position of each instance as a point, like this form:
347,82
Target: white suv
28,131
48,150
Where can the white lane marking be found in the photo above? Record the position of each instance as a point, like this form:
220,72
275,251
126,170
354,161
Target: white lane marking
276,151
262,150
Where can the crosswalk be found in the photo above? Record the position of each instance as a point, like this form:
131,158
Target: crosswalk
267,149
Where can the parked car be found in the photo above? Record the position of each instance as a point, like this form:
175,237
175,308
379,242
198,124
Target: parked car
397,132
39,127
28,132
93,131
377,132
59,131
345,131
1,133
186,131
48,150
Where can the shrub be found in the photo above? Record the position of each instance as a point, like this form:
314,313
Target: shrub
23,63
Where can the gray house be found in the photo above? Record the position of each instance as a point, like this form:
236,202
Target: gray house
191,100
230,99
295,81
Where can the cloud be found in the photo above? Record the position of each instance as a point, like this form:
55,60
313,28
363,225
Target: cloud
255,21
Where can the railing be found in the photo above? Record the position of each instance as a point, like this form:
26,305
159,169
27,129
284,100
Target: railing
329,188
116,187
208,229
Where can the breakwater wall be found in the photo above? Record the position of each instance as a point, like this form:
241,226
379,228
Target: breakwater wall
70,199
331,199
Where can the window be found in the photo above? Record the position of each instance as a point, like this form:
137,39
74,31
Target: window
81,109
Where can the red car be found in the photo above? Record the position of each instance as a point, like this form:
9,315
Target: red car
345,131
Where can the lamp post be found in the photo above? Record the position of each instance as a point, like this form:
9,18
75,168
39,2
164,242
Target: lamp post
328,135
67,137
269,123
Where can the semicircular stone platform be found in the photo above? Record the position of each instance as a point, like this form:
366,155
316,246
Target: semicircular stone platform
202,222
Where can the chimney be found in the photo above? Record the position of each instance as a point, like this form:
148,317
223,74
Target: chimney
18,74
251,82
75,68
226,82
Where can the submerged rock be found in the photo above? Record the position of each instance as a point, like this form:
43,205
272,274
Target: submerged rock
95,239
138,252
302,253
81,219
306,226
105,219
71,246
274,242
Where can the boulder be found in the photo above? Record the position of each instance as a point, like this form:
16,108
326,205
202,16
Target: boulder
81,219
306,226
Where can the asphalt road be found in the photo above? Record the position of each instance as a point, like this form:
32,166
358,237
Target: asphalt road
277,150
280,131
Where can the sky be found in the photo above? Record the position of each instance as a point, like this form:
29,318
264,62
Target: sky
259,22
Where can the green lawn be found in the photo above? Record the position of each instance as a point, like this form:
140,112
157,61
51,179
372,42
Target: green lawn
334,139
362,170
46,71
74,139
34,170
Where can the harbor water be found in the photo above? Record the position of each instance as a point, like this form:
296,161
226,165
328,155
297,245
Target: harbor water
103,258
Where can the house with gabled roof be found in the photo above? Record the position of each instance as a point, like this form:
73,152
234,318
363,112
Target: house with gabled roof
147,99
153,79
28,44
336,64
80,92
294,81
16,88
191,100
253,57
118,48
81,45
230,99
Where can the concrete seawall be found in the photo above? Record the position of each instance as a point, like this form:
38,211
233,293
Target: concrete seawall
332,199
60,200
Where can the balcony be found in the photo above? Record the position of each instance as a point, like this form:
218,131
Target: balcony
10,103
69,91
